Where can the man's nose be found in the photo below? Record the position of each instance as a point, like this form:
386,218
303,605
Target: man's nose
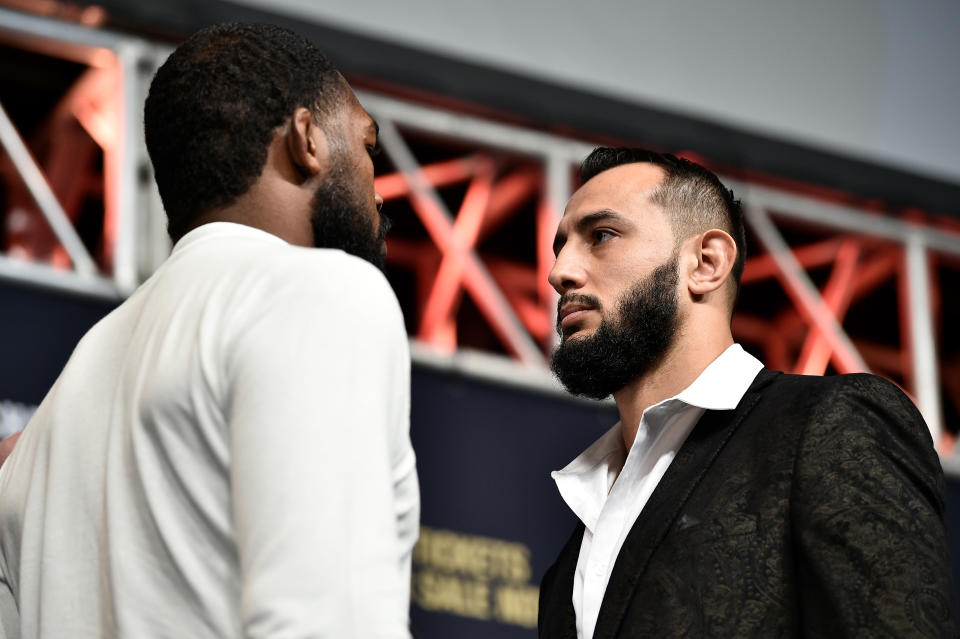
567,273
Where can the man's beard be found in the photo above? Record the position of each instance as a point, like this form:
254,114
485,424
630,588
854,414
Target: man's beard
340,221
627,346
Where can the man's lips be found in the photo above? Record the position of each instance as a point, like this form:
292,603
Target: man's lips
570,314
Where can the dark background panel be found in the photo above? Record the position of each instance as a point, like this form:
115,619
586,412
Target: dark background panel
485,454
953,530
38,332
485,450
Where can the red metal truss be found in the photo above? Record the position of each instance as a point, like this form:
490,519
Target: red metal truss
828,286
859,267
837,294
446,269
77,148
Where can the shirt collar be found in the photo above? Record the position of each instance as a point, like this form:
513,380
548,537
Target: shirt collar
585,482
724,382
224,229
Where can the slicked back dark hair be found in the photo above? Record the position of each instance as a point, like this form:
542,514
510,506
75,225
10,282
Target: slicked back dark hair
214,105
694,198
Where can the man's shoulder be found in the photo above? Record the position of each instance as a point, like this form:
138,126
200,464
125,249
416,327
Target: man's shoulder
278,270
325,280
804,399
238,254
820,387
849,402
236,278
253,251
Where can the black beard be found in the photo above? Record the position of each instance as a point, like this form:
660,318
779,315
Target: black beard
626,347
340,221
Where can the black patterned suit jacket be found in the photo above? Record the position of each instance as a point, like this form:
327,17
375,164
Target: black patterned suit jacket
814,509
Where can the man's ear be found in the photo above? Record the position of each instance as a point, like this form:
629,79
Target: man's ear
307,144
716,253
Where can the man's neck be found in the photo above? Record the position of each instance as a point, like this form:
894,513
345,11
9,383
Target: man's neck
278,202
269,210
679,367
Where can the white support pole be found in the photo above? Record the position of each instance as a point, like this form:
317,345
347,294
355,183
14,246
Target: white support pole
811,211
559,189
559,184
50,278
472,129
127,164
922,343
153,242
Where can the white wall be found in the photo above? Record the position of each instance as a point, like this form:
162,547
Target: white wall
876,79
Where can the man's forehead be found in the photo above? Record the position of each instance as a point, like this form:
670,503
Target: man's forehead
365,121
359,122
622,188
355,111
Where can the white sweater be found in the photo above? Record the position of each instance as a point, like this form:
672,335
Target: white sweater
227,454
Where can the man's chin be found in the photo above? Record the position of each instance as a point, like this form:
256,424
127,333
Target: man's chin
577,334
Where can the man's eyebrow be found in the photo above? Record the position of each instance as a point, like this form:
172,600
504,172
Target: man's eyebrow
602,215
376,127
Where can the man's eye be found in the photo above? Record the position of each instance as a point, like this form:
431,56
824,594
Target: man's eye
602,235
373,150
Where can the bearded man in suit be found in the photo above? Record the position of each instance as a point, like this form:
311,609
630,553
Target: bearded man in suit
730,500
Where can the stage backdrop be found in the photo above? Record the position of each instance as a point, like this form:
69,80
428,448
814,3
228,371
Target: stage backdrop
492,519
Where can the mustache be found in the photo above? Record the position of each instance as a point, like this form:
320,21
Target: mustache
588,301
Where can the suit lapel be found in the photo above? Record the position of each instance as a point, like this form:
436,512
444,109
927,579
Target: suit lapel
690,465
557,619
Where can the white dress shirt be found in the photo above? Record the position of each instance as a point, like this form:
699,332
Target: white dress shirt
226,454
608,500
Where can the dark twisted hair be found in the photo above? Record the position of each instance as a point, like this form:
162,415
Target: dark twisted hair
214,105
